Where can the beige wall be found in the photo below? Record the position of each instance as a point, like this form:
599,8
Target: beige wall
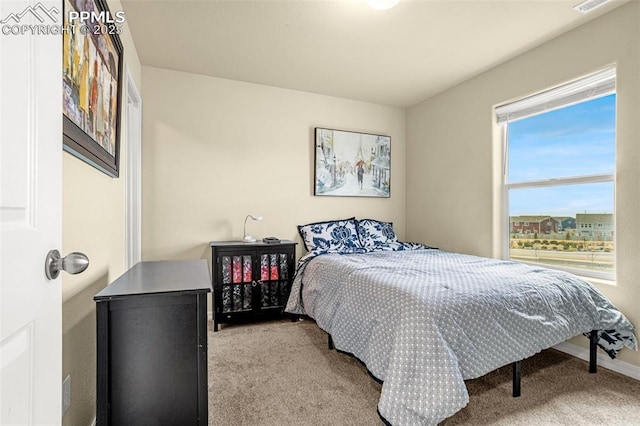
452,160
93,222
215,150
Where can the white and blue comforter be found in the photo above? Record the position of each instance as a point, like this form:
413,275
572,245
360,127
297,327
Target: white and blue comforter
422,321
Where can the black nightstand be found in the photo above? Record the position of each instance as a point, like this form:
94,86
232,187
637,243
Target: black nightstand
250,280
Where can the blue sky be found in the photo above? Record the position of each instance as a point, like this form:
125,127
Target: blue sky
572,141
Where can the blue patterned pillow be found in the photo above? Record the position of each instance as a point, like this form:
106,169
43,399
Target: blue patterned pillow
335,235
376,235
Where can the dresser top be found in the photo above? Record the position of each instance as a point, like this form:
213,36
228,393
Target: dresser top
175,276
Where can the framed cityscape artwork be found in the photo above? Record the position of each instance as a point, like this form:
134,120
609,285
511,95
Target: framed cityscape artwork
350,164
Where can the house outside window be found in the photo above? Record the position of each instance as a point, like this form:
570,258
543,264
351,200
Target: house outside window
559,175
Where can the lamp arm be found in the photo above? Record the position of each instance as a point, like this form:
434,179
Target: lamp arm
244,230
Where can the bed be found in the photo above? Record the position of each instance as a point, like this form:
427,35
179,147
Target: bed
423,320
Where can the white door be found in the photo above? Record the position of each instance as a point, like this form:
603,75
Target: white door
30,214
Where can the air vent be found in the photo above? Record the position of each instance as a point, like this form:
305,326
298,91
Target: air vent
589,5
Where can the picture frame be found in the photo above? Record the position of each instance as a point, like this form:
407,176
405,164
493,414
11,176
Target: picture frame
352,164
92,86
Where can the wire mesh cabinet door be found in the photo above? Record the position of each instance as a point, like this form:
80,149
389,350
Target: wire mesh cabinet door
274,281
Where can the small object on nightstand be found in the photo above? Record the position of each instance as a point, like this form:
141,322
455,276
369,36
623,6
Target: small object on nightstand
270,240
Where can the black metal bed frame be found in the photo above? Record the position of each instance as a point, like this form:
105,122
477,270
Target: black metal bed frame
517,366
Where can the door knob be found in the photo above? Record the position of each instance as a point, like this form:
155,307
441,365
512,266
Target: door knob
73,263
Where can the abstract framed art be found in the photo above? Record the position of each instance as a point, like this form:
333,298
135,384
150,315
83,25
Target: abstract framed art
351,164
92,86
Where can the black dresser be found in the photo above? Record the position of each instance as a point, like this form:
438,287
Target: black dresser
152,345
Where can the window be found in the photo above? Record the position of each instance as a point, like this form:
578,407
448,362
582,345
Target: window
559,163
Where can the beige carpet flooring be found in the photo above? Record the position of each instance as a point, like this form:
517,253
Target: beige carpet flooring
281,373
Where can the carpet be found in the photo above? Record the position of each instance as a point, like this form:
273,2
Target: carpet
281,373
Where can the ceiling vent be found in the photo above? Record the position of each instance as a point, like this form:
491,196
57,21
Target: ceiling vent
589,5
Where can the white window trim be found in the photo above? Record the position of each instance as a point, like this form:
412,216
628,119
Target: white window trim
133,188
602,84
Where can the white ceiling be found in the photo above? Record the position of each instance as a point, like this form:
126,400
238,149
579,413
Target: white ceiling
343,48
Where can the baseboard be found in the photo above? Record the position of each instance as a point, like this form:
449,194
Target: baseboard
616,365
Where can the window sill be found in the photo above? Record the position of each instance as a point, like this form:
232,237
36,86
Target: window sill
598,281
